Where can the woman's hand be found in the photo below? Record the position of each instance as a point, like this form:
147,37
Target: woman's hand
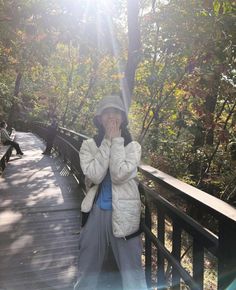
113,129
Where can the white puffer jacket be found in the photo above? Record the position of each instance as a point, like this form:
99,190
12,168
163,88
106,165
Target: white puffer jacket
122,163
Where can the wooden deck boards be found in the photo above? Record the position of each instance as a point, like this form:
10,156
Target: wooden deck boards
39,221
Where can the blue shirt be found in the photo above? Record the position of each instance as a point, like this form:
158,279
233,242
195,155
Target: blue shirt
104,200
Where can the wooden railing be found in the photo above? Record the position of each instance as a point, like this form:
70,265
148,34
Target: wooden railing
179,221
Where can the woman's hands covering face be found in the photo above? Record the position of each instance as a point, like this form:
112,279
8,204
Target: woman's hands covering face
111,120
113,129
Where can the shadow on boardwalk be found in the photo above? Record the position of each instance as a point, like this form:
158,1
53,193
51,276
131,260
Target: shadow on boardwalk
39,221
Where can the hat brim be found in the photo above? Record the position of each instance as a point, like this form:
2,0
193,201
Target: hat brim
97,122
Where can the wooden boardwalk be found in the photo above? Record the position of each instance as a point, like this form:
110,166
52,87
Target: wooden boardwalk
39,221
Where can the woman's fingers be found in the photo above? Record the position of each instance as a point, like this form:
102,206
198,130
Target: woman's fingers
113,129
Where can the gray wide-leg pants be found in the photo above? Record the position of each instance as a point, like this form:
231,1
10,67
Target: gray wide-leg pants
94,240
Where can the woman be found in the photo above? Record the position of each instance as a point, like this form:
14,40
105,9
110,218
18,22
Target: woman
6,139
109,162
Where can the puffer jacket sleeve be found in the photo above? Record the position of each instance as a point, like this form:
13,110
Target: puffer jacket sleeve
94,161
124,160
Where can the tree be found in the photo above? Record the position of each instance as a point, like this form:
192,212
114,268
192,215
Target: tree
180,94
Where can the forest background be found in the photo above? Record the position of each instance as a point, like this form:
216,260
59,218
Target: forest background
59,57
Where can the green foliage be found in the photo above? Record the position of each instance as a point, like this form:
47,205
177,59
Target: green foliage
184,92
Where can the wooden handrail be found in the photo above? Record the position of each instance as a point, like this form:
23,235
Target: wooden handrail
219,207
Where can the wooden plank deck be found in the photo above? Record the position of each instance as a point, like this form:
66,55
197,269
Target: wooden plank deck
39,221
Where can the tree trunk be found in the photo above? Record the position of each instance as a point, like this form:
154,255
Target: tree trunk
210,106
67,96
13,111
127,83
205,132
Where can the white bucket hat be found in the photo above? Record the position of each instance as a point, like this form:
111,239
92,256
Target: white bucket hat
113,101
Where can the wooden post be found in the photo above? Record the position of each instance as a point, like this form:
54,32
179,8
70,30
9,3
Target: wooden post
198,263
161,280
148,246
176,253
